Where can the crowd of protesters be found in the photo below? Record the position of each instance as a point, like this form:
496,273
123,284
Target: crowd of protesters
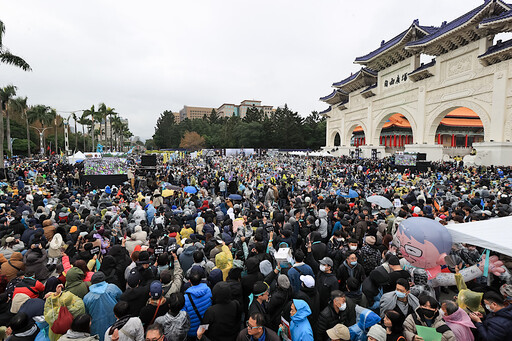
243,248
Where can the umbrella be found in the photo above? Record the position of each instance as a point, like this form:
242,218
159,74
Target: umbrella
173,187
167,193
190,189
351,194
380,200
302,183
235,197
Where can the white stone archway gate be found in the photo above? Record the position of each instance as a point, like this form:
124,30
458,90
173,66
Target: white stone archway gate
475,74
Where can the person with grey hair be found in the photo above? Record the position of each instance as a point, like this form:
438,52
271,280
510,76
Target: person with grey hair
458,320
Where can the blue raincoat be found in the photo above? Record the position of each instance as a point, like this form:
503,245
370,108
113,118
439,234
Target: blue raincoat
150,210
299,327
367,319
99,303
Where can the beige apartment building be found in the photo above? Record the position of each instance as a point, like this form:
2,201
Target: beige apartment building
193,113
229,109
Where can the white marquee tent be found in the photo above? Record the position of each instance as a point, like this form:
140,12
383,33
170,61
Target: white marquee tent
494,234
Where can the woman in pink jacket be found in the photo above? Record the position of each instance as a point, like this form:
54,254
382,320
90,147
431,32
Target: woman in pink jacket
458,321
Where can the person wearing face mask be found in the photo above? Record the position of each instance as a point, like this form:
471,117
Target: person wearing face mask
427,315
498,323
335,246
458,320
341,309
399,300
325,279
350,268
351,247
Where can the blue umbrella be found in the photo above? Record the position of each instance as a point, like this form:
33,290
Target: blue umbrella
235,197
351,194
190,189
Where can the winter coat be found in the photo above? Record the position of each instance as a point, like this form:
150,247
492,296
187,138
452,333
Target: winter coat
78,336
321,223
388,302
29,287
325,284
75,282
460,324
35,262
131,331
294,275
328,318
136,298
148,311
202,297
299,326
28,333
11,267
312,298
52,306
414,319
367,319
99,303
370,257
496,326
175,327
49,229
345,272
186,258
224,315
253,275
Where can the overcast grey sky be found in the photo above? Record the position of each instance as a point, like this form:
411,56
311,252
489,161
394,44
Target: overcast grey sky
144,57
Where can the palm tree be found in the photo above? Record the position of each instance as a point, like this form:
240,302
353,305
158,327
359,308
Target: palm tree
117,125
84,121
95,116
112,117
7,57
6,94
42,114
19,105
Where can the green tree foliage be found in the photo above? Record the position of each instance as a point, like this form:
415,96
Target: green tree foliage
283,129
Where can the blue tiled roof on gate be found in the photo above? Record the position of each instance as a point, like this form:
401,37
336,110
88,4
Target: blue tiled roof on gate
496,48
325,111
392,42
329,96
453,24
504,15
352,77
424,66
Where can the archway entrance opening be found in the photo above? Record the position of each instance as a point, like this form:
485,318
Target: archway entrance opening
396,133
337,140
357,139
458,130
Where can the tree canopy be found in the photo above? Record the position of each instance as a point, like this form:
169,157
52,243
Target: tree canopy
284,129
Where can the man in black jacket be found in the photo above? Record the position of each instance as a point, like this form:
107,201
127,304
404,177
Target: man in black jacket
341,309
326,281
256,330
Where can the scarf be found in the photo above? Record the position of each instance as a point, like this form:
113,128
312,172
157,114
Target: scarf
119,324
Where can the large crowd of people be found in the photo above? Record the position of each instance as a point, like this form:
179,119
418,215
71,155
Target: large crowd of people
261,248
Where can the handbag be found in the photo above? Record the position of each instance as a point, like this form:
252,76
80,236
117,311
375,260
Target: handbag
63,321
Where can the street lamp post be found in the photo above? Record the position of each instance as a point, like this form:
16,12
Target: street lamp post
41,133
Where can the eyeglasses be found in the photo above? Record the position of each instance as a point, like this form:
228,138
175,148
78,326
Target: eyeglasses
246,323
413,251
157,339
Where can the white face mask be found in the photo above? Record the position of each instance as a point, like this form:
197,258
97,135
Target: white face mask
322,267
488,307
343,306
352,247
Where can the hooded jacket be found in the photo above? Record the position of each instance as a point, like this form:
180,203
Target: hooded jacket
321,223
367,319
460,324
75,282
496,326
10,268
99,303
202,297
224,315
328,318
49,229
299,327
35,262
131,331
175,327
52,306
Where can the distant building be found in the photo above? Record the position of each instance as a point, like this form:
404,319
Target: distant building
176,117
106,134
193,113
229,110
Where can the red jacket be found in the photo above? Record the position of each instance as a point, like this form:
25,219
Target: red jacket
28,287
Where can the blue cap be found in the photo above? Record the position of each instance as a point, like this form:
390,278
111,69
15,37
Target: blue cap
155,289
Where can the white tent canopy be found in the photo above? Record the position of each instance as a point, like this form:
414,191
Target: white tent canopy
494,234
